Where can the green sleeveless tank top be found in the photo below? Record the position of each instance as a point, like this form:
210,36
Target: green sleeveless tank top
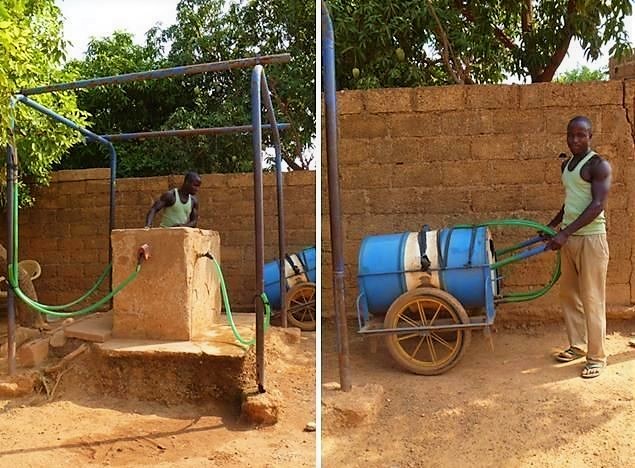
179,213
577,199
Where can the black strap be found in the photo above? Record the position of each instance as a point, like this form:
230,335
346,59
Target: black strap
471,251
421,237
295,267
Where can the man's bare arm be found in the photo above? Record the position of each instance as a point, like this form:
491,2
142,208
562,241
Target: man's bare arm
600,186
167,199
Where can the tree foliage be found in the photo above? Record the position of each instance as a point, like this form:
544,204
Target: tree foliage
384,43
582,73
32,52
205,31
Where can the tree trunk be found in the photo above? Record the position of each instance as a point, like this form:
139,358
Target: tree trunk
25,315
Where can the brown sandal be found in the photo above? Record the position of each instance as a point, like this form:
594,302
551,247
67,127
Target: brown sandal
591,370
570,354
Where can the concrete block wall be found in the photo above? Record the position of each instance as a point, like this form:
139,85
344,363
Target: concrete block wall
67,229
622,69
457,154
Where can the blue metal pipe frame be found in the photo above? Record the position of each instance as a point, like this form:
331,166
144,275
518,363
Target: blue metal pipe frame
182,133
91,137
259,88
337,236
161,73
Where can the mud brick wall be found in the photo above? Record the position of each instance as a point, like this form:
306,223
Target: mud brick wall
624,69
457,154
67,229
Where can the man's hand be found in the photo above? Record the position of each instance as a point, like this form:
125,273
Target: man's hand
557,241
545,235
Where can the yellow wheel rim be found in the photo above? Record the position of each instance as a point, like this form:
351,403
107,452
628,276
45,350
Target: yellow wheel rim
301,304
426,349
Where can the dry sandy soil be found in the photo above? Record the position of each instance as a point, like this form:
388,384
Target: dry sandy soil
80,430
513,407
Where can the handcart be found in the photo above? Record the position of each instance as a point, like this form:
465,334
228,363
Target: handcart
422,284
299,274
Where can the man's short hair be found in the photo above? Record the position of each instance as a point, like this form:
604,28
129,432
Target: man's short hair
582,120
191,177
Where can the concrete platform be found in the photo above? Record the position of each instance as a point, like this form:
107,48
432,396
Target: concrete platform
218,341
96,328
216,367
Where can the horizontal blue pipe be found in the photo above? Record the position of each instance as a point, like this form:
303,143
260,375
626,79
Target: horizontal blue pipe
161,73
520,256
190,132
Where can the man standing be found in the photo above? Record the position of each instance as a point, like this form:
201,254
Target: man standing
585,252
180,205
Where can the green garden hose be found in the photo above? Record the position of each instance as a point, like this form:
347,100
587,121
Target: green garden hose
228,309
525,223
58,310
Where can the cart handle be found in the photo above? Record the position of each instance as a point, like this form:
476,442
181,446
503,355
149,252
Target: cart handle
520,256
523,223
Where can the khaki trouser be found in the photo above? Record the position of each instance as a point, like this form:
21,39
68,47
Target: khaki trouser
585,261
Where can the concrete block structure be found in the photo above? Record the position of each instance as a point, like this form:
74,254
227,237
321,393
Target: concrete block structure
176,296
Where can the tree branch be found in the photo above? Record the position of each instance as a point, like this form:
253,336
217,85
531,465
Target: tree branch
526,17
498,33
445,50
560,53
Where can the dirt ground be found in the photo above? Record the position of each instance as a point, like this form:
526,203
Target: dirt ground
513,407
76,429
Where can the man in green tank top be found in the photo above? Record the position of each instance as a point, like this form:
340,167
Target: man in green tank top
585,252
180,205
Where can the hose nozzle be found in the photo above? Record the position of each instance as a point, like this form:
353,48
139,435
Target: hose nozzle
143,253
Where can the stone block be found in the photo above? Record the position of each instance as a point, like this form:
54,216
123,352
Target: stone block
495,147
363,126
389,100
557,118
465,173
261,408
292,335
493,97
33,353
415,124
600,93
359,407
58,338
543,197
515,122
518,172
439,98
501,198
176,295
415,175
370,176
350,102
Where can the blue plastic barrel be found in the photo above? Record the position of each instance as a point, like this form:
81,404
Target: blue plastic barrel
457,260
304,262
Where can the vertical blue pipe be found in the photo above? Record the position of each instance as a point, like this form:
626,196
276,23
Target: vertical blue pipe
256,122
113,182
11,325
337,244
279,193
